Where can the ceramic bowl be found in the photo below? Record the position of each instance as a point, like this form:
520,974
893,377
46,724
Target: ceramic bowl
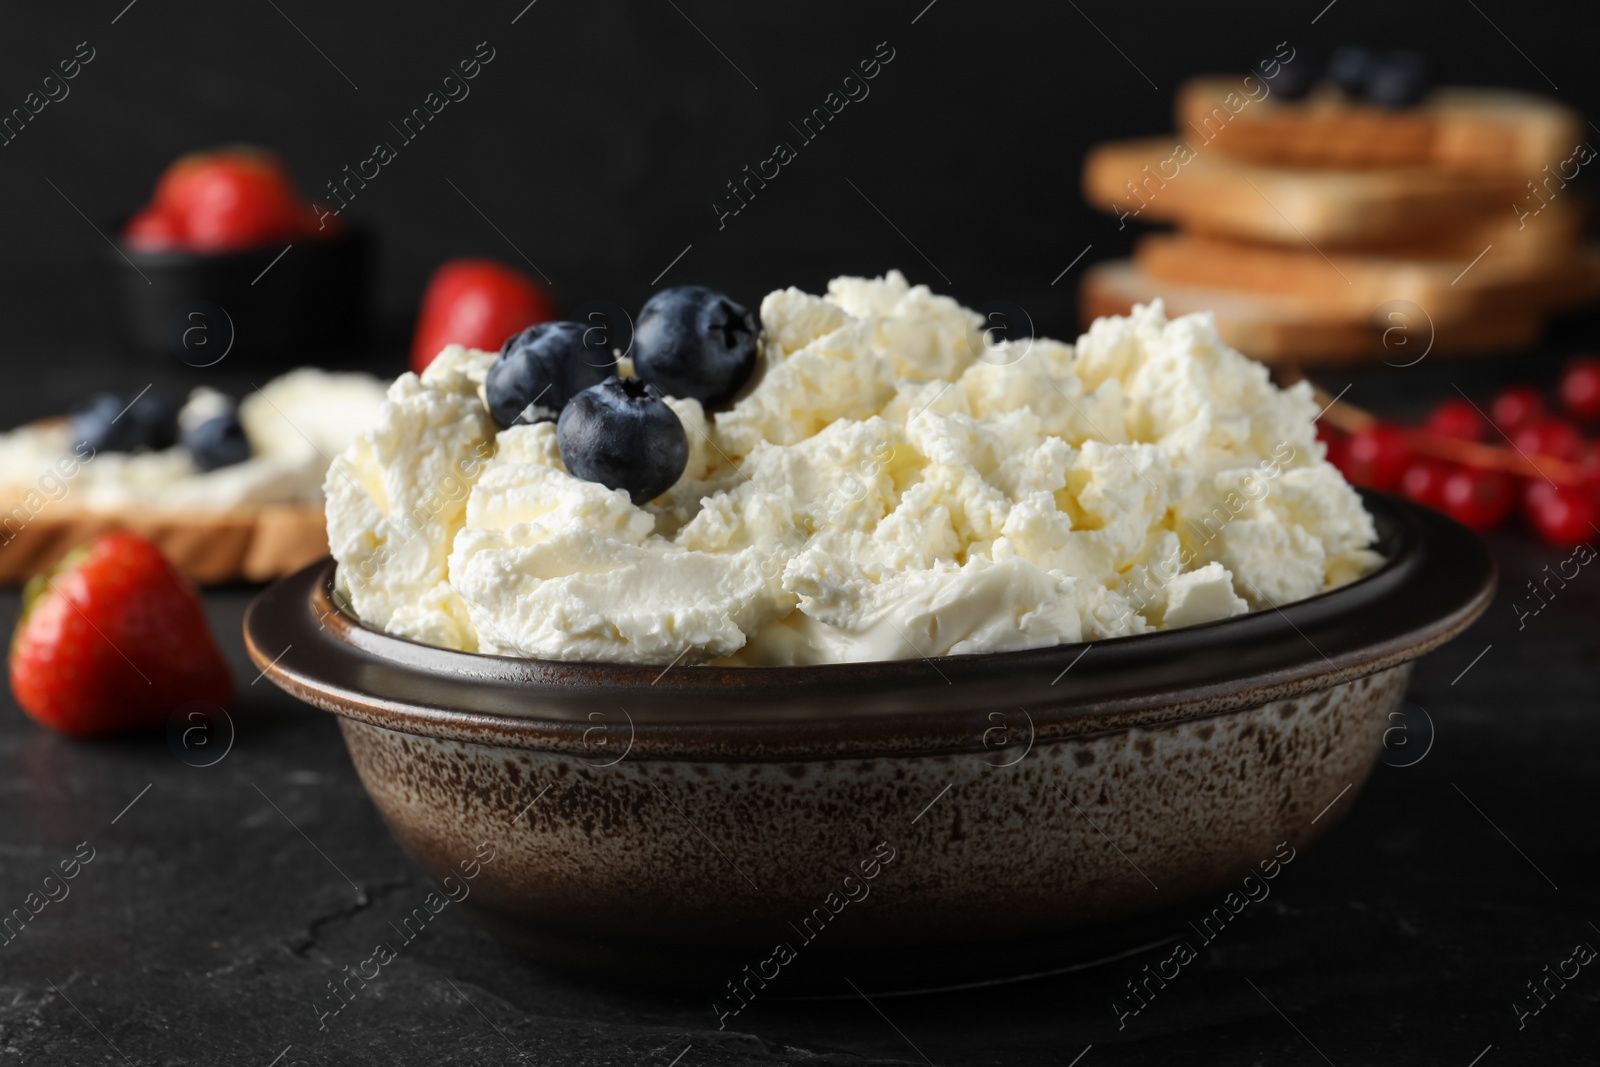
899,823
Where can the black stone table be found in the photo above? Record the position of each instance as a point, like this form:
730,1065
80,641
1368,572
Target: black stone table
221,900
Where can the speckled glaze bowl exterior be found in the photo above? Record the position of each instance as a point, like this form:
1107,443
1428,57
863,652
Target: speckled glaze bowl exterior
655,868
903,824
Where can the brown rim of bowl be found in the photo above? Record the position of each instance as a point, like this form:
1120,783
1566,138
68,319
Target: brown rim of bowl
1436,579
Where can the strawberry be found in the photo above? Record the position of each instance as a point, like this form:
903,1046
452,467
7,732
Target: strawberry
172,193
178,185
477,303
113,639
237,204
226,200
154,230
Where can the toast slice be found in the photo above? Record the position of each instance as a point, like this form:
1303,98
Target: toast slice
1285,329
1160,179
1487,131
1354,285
1556,230
253,545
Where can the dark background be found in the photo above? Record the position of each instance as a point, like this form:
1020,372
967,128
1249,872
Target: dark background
602,133
597,141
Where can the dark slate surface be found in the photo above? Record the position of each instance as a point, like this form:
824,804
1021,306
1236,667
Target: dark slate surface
220,904
221,900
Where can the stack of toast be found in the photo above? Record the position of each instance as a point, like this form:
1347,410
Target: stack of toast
1329,230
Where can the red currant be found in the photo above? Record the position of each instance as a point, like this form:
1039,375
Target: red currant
1535,491
1377,456
1457,418
1564,516
1478,499
1423,482
1588,460
1547,437
1515,407
1580,387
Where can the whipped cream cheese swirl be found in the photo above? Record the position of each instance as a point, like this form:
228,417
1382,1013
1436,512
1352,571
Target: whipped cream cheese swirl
892,483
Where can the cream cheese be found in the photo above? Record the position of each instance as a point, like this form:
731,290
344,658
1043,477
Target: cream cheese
892,483
296,423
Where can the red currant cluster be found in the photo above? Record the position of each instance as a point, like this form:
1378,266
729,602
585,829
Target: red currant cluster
1478,467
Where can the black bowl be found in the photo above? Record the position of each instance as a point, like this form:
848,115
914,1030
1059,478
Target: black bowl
283,304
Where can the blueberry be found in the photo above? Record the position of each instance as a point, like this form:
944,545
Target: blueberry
1399,79
623,435
104,425
691,341
217,442
1293,80
1348,67
157,418
542,368
111,423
